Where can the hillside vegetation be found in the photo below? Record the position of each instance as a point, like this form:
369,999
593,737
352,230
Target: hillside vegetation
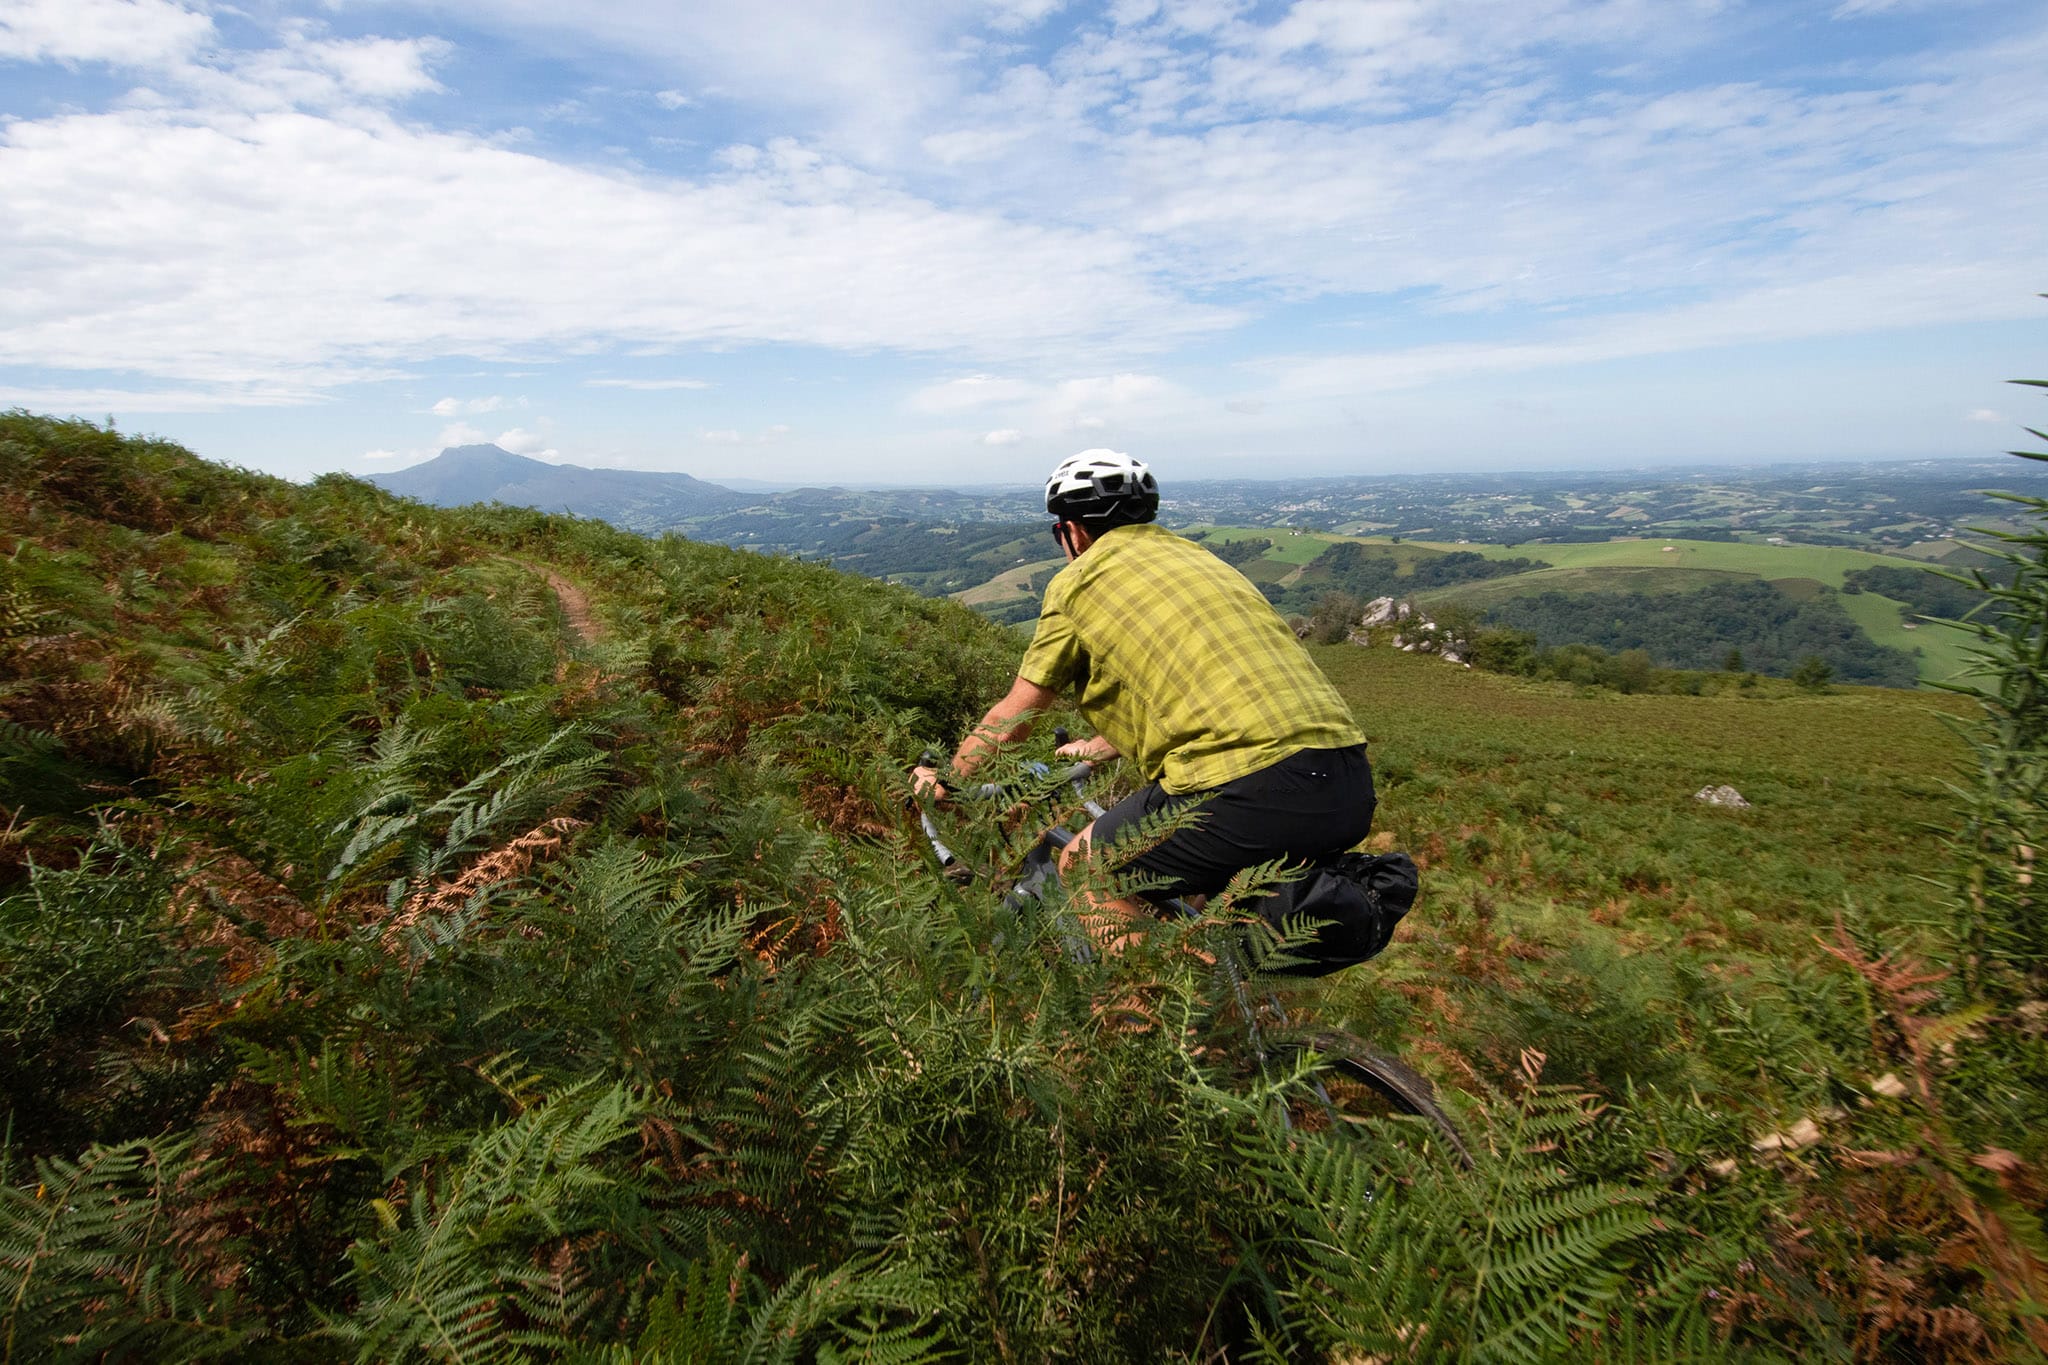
393,968
1688,604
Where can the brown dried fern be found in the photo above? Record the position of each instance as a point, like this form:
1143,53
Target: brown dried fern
2010,1250
494,868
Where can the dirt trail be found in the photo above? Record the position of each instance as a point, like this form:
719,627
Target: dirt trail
575,602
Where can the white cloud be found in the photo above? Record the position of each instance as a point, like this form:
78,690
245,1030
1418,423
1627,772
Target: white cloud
304,71
381,455
460,434
1088,403
965,394
862,72
459,407
376,68
1008,16
1118,391
257,226
152,275
1984,415
141,33
94,402
773,434
520,441
1899,297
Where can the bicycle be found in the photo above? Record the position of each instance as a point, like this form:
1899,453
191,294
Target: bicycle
1348,1080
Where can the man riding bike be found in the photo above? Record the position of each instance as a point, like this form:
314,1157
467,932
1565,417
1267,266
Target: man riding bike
1183,667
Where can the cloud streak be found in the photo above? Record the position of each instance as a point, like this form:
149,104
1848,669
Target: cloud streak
1060,219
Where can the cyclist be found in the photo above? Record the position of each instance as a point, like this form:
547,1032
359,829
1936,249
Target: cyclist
1184,668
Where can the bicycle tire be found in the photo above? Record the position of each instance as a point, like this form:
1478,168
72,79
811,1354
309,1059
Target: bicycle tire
1353,1063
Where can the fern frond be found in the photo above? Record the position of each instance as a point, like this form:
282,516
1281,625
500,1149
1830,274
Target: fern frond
440,1278
104,1257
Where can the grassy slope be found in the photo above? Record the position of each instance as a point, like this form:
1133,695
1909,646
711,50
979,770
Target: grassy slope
739,758
1597,578
1565,822
1288,547
1646,566
1940,648
1824,563
1004,586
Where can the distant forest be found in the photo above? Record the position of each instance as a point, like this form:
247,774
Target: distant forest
1366,571
1710,629
1925,591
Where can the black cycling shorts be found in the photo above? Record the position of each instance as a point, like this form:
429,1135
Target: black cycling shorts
1309,806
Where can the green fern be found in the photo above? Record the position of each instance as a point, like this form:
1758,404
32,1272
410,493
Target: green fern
720,1312
464,1273
108,1256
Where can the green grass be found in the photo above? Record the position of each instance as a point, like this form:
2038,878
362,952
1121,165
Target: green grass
1939,649
1824,563
1289,547
1004,586
1564,821
1599,578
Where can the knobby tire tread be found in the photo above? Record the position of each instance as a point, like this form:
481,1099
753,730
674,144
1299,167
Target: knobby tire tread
1394,1080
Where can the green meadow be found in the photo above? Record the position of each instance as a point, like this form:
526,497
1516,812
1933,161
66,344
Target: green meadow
1826,564
1565,818
1652,565
1942,650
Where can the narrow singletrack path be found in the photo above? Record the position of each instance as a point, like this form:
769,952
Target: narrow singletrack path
575,602
575,606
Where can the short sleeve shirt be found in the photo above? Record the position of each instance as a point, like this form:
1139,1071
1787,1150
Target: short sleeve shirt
1181,663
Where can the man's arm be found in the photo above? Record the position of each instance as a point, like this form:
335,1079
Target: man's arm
1008,721
1094,750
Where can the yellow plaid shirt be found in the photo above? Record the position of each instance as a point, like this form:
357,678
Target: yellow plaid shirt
1180,662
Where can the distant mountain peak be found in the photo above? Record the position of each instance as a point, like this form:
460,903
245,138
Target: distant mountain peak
638,500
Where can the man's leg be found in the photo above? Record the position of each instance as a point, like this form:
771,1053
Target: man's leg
1112,921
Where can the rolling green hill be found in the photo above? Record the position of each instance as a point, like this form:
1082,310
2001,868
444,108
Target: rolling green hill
1824,563
1290,572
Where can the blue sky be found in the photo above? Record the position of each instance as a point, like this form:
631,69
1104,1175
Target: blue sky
937,241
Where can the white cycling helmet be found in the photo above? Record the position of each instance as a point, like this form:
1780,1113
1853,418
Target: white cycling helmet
1102,486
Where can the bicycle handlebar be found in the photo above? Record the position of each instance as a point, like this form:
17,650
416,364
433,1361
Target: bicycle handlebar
1075,776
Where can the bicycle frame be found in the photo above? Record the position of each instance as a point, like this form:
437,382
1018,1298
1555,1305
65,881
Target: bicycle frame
1389,1077
1041,866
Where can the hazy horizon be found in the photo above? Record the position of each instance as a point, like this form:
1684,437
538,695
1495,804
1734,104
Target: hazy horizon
1653,473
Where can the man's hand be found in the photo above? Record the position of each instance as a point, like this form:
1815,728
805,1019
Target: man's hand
925,782
1095,750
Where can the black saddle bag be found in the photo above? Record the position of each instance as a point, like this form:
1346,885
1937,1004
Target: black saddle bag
1350,905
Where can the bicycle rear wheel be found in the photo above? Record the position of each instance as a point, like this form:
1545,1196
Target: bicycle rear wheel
1357,1083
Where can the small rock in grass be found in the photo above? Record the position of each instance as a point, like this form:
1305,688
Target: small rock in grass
1801,1134
1721,796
